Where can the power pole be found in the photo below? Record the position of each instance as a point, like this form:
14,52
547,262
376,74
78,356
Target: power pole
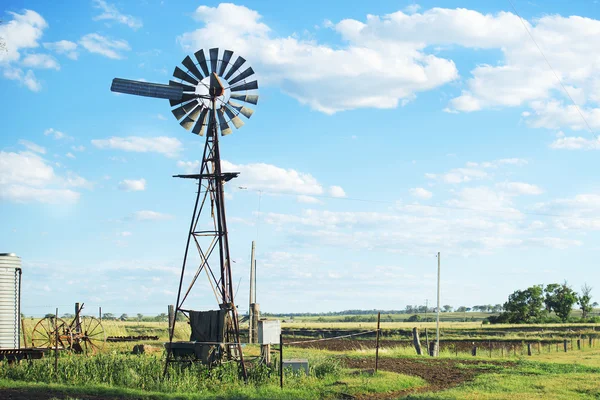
252,298
437,323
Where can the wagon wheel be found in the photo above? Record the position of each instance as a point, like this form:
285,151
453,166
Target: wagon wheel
92,336
44,334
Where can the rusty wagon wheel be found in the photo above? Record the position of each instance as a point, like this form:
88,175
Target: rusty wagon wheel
45,334
92,337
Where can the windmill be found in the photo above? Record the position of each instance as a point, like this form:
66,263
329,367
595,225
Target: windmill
206,96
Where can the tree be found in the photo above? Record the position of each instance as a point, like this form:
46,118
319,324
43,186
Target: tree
49,315
108,316
140,317
560,299
584,301
447,308
524,306
461,309
123,317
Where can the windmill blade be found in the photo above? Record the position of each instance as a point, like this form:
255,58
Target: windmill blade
179,73
189,64
214,57
185,97
180,112
186,88
236,65
188,122
200,123
248,98
225,62
146,89
245,111
202,61
248,72
225,129
246,86
237,121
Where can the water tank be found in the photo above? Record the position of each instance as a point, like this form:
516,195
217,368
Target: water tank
10,301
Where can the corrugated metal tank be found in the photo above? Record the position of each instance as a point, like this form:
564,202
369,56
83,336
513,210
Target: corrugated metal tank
10,301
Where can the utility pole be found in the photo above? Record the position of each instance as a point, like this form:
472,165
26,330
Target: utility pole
437,323
251,338
426,305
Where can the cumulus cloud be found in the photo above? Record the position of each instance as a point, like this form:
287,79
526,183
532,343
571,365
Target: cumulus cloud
147,215
168,146
308,199
336,191
65,47
38,60
576,143
26,177
111,48
132,185
111,13
22,32
421,193
520,188
32,146
55,134
27,79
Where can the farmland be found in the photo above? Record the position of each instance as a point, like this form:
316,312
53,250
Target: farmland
338,367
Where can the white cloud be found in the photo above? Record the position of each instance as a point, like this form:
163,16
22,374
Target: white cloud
32,146
485,199
372,70
146,215
189,167
132,185
95,43
78,148
576,143
55,134
520,188
111,13
22,32
421,193
26,177
168,146
39,60
65,47
308,199
459,175
25,78
336,191
411,9
70,155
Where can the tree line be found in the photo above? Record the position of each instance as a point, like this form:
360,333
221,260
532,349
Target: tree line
546,304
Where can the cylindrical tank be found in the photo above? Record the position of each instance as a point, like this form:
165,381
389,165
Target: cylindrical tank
10,301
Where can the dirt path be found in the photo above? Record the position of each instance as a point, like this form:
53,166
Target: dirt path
439,373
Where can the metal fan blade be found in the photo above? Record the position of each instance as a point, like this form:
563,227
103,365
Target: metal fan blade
246,86
196,111
146,89
180,112
179,73
214,57
185,97
225,62
200,124
248,98
202,61
248,72
237,121
245,111
236,65
186,88
216,87
225,129
189,64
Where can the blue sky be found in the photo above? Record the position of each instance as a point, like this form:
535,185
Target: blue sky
385,132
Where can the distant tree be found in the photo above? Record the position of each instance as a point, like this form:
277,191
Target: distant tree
497,308
162,317
140,317
68,316
447,308
123,317
467,309
414,318
49,315
595,304
524,306
584,301
108,316
560,299
461,309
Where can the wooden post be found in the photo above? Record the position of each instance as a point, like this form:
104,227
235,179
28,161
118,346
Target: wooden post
427,340
433,350
565,345
377,342
100,313
590,341
529,349
578,344
23,329
474,351
171,314
417,341
265,353
281,361
78,316
56,343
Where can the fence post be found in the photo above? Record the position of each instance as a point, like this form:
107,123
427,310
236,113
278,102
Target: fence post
23,328
578,344
565,345
427,341
417,341
377,342
56,344
528,349
590,341
474,351
281,360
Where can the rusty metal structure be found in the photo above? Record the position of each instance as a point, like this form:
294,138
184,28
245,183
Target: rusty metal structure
204,96
82,334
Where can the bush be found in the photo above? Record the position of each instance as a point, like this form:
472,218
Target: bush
327,366
414,318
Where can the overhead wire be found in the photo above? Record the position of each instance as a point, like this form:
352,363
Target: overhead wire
552,69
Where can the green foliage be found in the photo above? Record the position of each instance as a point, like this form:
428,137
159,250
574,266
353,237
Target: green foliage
328,366
524,306
585,300
560,299
414,318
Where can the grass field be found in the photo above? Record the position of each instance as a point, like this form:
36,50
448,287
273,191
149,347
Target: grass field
336,369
